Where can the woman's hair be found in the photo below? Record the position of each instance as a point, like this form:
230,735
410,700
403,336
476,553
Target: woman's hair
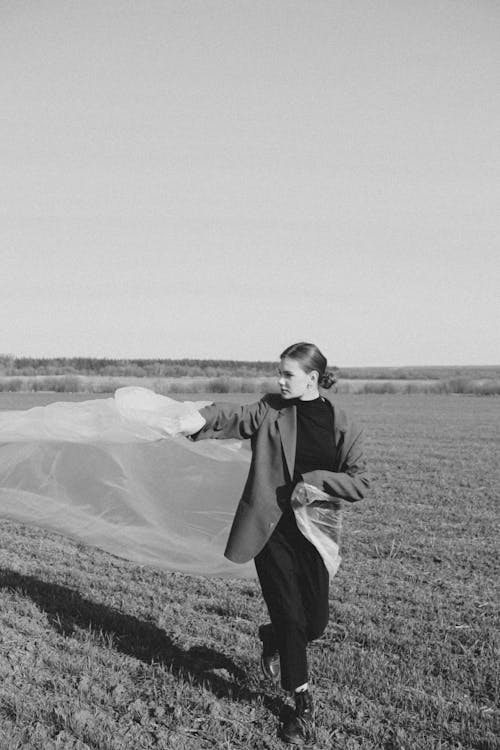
310,358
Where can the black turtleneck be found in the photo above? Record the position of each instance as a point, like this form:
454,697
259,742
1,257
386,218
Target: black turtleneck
315,441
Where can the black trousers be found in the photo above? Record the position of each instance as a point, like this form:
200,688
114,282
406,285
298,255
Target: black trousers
294,582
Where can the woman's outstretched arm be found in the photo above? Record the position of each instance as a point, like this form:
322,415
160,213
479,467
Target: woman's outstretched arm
231,420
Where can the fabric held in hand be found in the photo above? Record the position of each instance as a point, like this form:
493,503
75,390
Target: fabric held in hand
319,518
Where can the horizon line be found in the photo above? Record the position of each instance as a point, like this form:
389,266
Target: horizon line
228,359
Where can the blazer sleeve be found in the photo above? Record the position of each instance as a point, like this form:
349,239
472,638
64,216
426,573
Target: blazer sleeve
351,482
231,421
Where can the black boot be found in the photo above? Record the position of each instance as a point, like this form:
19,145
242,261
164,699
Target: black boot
270,659
299,728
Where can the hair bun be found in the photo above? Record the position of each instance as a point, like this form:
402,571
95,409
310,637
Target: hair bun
327,380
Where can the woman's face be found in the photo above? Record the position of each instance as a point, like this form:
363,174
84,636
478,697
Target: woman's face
293,381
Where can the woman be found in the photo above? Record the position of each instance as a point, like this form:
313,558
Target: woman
297,436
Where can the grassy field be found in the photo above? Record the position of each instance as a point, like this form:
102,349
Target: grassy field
96,652
66,384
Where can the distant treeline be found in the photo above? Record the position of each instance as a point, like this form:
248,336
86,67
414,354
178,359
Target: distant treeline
217,368
174,368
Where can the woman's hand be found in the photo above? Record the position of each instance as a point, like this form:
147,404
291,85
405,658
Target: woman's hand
307,494
300,496
183,425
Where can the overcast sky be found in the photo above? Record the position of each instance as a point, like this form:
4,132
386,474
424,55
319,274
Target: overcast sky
221,178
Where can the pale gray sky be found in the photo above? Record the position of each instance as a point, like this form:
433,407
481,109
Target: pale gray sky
221,178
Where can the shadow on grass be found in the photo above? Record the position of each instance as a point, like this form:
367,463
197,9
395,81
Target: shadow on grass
67,610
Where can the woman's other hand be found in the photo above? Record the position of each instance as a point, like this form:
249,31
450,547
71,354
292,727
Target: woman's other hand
299,495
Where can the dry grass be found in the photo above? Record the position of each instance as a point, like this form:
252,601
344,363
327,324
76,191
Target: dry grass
95,384
96,652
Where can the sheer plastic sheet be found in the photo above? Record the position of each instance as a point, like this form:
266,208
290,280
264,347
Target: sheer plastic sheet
119,474
319,518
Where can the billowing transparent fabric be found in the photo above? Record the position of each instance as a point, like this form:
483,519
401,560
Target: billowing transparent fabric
115,473
119,474
319,518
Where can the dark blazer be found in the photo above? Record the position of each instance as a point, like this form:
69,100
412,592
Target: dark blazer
271,425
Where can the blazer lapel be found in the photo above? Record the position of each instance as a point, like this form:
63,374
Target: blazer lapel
287,426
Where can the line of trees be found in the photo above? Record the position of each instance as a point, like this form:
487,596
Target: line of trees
11,365
212,368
